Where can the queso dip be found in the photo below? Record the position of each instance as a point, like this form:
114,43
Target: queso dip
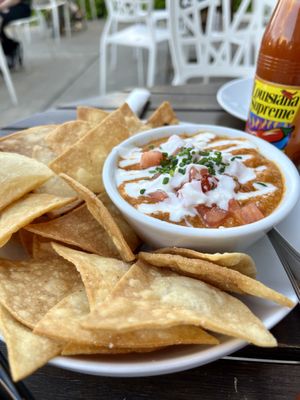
200,181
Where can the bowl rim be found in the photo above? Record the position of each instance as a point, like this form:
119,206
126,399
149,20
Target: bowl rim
288,170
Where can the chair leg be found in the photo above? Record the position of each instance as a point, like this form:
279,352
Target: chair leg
140,65
7,78
67,20
113,47
102,68
151,66
55,21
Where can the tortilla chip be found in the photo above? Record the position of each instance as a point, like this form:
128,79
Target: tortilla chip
80,229
73,349
43,154
27,351
42,248
26,239
240,262
133,123
163,115
99,274
91,115
221,277
63,322
84,160
65,135
149,298
25,210
103,216
22,142
28,289
18,176
54,185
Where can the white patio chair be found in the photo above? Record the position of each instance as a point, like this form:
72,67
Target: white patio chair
207,41
7,78
53,6
141,32
22,27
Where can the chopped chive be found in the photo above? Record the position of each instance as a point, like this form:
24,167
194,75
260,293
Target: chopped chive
262,184
235,157
182,170
153,171
165,181
142,191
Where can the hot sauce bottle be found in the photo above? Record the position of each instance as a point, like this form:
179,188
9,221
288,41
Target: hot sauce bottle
275,106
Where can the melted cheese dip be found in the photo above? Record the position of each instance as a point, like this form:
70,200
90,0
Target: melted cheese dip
200,181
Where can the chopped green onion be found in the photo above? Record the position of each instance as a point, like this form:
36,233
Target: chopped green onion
182,170
142,191
262,184
165,181
235,157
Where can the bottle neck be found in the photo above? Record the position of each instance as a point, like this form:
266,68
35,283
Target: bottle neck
279,57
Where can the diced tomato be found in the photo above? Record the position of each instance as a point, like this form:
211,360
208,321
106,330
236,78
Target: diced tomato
235,210
194,174
150,159
159,195
251,213
245,214
212,217
204,171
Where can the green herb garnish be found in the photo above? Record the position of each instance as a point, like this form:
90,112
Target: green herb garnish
165,180
262,184
142,191
235,157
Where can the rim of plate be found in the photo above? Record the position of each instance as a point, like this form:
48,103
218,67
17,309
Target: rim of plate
224,104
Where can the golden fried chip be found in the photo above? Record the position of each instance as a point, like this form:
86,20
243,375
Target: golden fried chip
43,154
28,289
221,277
240,262
148,298
163,115
55,185
42,248
79,228
92,115
63,322
18,176
22,142
25,210
84,160
26,239
133,123
73,349
61,138
27,351
103,216
99,274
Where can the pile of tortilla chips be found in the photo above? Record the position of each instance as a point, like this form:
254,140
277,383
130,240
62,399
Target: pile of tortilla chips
84,288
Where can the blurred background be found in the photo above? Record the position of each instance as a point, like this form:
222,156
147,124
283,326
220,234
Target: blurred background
61,61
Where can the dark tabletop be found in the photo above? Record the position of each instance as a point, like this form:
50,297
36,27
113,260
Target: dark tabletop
249,374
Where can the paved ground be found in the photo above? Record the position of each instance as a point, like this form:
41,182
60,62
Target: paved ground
60,73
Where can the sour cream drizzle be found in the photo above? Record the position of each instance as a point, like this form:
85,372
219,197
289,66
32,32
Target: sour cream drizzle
184,193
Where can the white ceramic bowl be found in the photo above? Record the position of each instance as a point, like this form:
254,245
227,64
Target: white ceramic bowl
159,233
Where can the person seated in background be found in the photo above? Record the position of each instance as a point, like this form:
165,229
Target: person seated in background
10,10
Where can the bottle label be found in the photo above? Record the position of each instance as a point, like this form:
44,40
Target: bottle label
273,112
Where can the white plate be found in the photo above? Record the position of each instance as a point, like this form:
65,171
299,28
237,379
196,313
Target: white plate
270,272
235,97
